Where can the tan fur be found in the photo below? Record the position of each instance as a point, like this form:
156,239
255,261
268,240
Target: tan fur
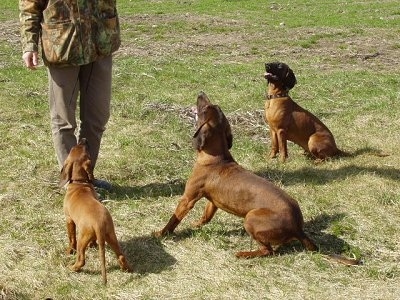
83,211
288,121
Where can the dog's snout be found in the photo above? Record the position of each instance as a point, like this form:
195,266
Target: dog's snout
83,141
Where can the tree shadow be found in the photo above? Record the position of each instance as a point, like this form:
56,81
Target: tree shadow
146,255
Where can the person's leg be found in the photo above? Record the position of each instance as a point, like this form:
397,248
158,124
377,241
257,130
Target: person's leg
95,97
63,93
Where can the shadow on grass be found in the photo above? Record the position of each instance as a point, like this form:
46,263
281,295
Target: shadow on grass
6,293
152,190
327,243
319,176
146,255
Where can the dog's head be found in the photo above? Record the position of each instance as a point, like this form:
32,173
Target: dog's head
278,72
213,129
78,165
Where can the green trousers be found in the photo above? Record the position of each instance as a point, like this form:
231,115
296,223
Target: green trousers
92,84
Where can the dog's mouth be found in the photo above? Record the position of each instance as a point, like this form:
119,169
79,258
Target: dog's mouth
270,76
193,110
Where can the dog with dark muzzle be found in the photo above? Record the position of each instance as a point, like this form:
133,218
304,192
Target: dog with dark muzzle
289,122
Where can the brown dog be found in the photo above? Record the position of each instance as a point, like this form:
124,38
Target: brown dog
83,210
271,216
288,121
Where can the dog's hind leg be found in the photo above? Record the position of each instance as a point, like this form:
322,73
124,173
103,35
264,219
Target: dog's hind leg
112,241
84,239
208,214
71,230
102,255
261,225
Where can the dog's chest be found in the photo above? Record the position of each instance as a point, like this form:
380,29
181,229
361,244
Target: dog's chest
278,111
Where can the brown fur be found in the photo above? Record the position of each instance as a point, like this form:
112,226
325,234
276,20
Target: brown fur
271,216
83,210
288,121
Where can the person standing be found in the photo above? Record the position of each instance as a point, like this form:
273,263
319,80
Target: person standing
77,39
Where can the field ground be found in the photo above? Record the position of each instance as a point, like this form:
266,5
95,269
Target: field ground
346,57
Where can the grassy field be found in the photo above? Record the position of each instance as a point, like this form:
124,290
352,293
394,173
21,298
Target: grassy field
346,57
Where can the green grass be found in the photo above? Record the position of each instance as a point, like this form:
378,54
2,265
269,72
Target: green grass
344,54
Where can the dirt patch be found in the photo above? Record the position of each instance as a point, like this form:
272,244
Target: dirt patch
248,123
233,40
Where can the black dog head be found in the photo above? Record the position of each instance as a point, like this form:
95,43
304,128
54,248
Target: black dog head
212,125
278,72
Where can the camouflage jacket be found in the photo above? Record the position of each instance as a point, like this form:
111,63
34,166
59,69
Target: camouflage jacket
71,32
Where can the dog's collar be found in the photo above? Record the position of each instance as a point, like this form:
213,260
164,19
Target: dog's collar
81,181
269,97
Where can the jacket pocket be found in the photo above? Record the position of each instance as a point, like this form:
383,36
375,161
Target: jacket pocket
108,36
60,43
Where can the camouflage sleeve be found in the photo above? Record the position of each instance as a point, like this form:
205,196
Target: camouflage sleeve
30,18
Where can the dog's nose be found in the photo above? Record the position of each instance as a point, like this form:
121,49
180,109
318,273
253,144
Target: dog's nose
83,141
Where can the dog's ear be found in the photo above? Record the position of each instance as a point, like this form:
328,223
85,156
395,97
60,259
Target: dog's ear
229,137
227,127
87,166
66,173
199,139
290,79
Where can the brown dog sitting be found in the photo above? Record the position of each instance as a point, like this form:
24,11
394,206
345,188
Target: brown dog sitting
83,210
271,216
288,121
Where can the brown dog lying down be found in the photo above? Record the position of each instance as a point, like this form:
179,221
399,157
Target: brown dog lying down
288,121
271,216
83,210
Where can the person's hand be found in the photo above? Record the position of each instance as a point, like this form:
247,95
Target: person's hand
31,59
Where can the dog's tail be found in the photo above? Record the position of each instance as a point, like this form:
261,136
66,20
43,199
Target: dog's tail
343,260
102,255
341,153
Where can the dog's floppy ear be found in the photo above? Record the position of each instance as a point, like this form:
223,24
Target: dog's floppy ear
290,79
87,166
199,139
66,173
229,137
227,127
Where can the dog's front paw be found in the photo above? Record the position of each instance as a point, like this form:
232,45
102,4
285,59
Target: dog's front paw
158,234
272,154
74,268
198,224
